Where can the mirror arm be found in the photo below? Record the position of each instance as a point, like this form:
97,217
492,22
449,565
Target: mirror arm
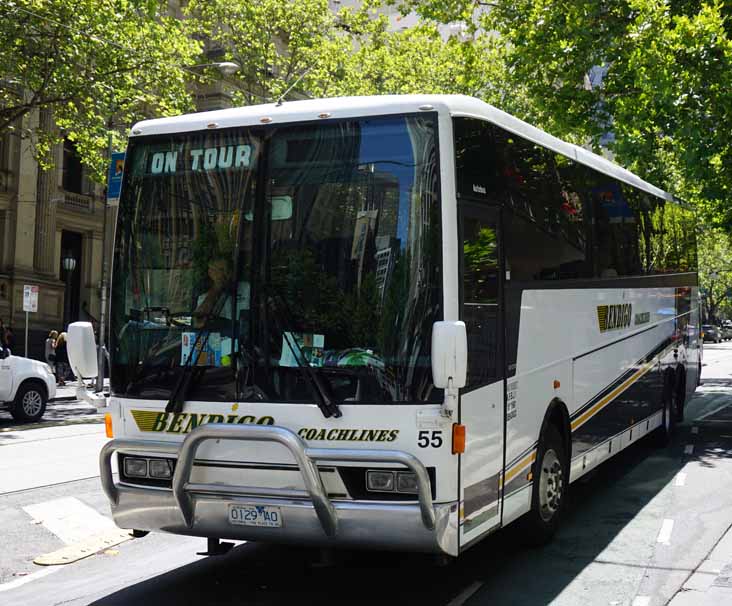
450,404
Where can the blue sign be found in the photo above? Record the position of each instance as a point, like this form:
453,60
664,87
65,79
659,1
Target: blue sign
114,179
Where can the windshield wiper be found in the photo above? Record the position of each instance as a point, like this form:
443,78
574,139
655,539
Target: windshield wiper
182,387
327,406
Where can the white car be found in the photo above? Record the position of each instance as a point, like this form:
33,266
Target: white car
25,386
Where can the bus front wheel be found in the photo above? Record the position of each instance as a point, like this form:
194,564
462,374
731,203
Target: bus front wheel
550,481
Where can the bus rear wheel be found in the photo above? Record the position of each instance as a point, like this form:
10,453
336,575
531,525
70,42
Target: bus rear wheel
680,394
669,399
549,491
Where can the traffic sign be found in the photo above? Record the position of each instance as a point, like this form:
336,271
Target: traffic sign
30,298
114,178
30,305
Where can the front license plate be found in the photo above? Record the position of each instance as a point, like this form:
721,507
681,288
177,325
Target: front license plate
255,515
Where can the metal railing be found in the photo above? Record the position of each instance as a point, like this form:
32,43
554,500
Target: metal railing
78,202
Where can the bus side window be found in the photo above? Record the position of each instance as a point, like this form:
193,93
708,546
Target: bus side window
480,298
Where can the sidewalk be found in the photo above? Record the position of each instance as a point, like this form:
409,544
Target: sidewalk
711,583
67,393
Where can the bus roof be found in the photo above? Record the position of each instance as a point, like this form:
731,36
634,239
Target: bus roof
353,107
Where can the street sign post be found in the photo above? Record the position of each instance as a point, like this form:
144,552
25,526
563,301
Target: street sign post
114,188
30,305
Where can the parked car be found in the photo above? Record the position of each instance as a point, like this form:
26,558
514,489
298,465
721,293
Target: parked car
25,386
711,333
726,329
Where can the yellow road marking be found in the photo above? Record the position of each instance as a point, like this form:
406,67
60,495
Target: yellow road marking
84,549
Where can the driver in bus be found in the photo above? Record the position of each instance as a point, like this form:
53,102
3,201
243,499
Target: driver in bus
210,306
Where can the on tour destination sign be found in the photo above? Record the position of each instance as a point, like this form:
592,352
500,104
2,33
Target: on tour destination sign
201,159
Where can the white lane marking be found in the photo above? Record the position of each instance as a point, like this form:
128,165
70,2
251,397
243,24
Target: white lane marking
680,479
694,429
664,536
711,412
28,578
465,595
641,600
689,449
69,519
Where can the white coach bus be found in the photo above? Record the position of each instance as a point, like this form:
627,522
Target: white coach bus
395,322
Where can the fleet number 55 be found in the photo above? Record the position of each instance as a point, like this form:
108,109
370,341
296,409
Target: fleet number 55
429,438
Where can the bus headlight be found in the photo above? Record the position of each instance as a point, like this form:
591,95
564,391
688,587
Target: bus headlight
407,482
135,468
380,481
160,468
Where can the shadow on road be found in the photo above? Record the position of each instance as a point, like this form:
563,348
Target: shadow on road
57,413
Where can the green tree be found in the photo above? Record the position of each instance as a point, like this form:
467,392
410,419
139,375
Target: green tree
715,272
90,62
274,41
657,74
305,49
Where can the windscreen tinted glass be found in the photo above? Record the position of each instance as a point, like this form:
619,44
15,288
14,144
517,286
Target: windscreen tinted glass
248,253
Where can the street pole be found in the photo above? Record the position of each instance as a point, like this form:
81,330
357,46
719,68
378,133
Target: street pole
103,313
67,299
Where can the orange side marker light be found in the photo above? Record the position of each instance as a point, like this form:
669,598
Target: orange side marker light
458,438
557,384
108,425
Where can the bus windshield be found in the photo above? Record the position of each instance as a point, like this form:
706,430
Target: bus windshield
243,254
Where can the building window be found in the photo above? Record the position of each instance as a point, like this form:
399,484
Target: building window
72,170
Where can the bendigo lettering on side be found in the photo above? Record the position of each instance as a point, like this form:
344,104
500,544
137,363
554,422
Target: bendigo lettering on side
612,317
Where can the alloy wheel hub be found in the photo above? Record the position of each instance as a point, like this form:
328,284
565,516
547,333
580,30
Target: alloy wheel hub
32,403
551,486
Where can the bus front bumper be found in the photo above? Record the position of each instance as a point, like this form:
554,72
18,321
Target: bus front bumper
308,517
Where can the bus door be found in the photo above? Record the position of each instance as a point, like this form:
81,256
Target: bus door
482,399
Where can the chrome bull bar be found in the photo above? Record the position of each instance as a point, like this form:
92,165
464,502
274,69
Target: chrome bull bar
305,457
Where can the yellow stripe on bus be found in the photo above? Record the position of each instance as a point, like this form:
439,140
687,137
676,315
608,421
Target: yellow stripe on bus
519,467
516,469
611,396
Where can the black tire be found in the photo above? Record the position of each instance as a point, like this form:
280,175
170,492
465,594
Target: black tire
138,534
549,492
30,402
698,374
680,402
669,397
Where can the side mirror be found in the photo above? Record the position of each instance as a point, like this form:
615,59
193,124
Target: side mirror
4,353
449,354
82,349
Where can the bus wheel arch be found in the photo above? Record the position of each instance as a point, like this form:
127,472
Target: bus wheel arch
557,415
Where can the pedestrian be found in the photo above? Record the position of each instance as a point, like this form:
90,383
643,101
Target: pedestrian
51,350
9,338
62,360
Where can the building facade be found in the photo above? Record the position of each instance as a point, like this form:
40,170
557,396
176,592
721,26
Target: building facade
45,216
